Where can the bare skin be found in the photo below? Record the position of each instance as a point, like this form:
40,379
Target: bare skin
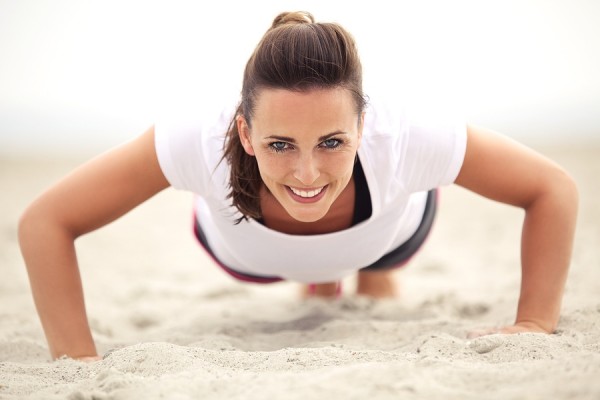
374,284
93,195
500,169
110,185
377,284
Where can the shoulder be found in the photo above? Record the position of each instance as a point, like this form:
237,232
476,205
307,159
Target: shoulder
196,128
189,141
389,113
207,116
421,147
386,126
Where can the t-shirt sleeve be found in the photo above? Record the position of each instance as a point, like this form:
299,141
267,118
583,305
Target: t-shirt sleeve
410,150
432,153
179,152
189,147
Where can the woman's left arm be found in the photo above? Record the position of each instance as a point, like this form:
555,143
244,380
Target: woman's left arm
501,169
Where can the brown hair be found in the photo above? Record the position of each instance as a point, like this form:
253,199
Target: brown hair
299,54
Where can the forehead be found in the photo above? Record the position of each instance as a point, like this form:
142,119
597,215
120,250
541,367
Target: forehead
316,110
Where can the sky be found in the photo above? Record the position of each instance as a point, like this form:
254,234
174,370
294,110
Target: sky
78,77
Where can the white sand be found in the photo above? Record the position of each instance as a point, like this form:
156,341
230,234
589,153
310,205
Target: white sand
174,326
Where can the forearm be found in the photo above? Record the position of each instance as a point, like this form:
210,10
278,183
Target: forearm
49,255
547,242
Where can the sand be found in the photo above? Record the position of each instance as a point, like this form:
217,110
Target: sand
171,325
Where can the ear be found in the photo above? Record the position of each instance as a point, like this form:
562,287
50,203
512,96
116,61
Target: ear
244,133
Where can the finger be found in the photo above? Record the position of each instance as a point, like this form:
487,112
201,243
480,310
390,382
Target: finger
482,332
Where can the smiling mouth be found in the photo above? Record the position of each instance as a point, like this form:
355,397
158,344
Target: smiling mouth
307,194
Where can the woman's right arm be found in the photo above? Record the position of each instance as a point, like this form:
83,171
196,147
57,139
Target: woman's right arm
93,195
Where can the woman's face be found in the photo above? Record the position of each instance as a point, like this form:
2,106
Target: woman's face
305,145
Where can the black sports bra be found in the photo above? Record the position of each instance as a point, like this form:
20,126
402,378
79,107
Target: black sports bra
362,197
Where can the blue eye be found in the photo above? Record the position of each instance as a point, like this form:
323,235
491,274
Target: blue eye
331,143
279,146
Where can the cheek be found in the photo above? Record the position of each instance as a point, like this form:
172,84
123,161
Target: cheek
340,165
271,166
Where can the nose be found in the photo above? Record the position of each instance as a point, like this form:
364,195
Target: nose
306,169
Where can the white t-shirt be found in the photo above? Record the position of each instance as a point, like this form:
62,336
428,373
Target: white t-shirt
401,159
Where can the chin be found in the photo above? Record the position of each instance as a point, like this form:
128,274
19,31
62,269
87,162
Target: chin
307,217
308,220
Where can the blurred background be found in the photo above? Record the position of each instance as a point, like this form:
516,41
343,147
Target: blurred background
78,77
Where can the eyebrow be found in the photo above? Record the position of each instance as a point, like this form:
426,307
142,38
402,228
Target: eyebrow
292,140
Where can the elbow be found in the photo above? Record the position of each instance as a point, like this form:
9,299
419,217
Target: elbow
567,191
27,226
560,194
557,194
36,225
39,224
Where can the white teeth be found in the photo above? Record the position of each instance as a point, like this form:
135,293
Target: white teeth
306,194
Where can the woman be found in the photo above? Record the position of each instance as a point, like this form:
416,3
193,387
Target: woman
305,181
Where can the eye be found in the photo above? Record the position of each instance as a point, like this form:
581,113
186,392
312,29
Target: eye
331,143
279,146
